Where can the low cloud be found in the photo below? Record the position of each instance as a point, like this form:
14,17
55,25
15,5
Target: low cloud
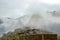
53,27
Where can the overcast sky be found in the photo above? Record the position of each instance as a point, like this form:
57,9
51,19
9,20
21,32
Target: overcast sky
17,8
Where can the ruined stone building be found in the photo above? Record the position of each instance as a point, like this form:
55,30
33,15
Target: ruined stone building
31,34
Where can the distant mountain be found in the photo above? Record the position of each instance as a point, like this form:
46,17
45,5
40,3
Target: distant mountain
9,24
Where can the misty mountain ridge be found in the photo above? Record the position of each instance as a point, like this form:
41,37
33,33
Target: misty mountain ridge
33,21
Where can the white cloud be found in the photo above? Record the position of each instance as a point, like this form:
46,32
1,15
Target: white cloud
16,7
50,1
